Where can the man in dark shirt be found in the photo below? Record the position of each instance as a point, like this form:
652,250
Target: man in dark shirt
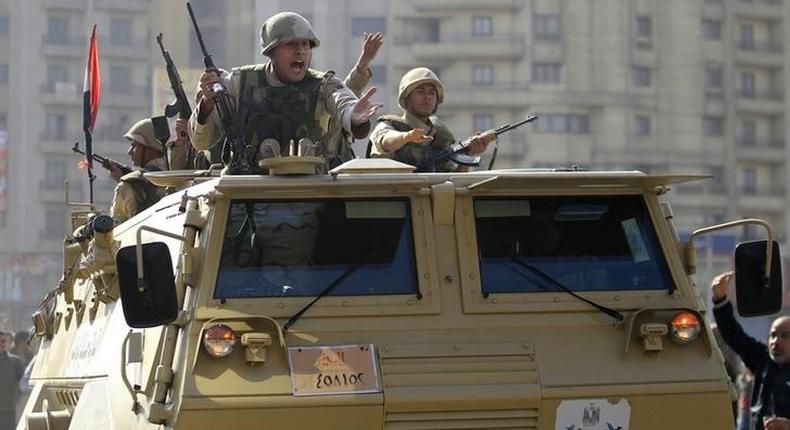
11,371
770,364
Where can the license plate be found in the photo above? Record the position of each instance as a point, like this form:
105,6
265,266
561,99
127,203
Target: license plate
334,369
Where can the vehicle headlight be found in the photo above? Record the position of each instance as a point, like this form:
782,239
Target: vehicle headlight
219,340
684,327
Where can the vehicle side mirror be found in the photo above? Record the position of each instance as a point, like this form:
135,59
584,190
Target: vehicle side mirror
152,300
756,295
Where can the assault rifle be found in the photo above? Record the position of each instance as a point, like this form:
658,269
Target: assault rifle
105,162
241,158
180,105
455,151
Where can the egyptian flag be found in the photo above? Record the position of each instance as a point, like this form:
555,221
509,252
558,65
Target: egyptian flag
91,95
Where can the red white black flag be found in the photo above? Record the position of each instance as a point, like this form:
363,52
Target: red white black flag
91,94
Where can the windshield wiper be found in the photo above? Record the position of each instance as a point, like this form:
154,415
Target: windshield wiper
548,278
291,321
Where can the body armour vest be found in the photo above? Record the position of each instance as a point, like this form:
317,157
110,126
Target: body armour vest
414,153
145,193
282,113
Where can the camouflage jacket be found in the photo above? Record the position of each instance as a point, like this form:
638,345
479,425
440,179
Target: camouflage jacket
134,193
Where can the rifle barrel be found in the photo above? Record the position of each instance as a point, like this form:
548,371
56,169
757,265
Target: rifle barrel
207,61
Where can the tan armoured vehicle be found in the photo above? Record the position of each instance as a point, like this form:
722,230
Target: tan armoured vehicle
376,298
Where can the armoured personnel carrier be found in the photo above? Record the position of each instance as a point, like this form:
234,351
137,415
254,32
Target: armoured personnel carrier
377,298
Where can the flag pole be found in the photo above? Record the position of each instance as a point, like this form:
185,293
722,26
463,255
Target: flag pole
90,104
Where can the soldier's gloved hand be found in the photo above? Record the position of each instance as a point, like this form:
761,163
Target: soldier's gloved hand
416,136
720,284
364,109
480,142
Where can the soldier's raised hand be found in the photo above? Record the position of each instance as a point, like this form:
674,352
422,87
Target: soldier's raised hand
364,109
207,81
371,42
418,135
720,284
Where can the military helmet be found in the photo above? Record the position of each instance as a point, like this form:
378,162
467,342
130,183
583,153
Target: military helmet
416,77
285,27
142,132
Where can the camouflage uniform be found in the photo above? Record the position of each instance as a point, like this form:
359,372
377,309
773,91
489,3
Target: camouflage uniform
269,108
338,146
134,193
391,126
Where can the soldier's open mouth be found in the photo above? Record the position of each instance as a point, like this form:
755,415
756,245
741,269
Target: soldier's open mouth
298,66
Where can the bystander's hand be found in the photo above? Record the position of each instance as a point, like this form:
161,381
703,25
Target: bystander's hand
182,132
776,423
720,284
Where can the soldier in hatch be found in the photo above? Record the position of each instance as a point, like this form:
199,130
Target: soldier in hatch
283,99
417,133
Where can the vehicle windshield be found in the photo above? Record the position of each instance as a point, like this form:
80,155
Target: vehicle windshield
586,243
297,248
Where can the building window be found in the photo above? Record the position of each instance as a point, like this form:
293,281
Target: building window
748,133
641,76
712,126
713,76
746,39
560,124
120,79
54,223
57,30
3,24
748,88
482,122
482,26
711,29
644,31
379,74
121,31
547,26
3,74
641,125
360,26
56,73
546,72
55,126
749,180
55,175
482,74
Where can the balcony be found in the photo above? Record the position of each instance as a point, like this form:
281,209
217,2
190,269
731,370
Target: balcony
64,4
126,49
764,151
61,93
467,94
131,97
764,198
468,5
765,53
64,46
763,101
468,47
124,5
771,9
